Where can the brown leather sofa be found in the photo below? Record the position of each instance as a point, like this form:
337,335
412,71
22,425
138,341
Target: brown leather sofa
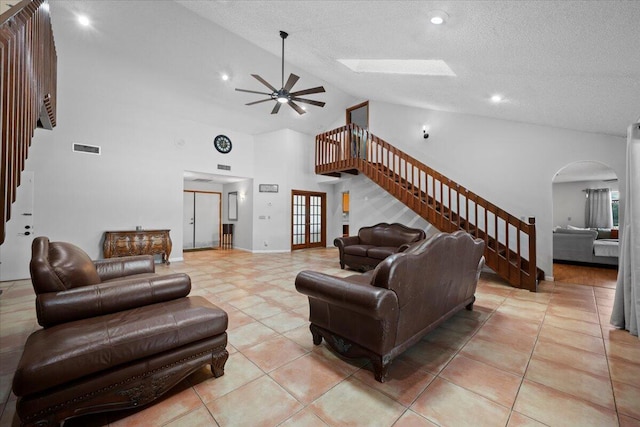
380,314
375,243
115,335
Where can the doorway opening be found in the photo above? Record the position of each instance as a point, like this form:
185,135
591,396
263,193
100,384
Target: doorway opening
357,139
584,251
308,219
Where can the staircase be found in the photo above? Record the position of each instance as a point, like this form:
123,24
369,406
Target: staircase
510,243
28,84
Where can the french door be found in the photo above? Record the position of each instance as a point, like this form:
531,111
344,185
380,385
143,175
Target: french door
308,219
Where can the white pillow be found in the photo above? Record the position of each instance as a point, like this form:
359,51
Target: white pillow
571,227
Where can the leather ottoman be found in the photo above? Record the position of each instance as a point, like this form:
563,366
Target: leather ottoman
116,361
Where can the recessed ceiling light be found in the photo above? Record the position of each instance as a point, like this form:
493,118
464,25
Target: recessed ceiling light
224,77
83,20
427,67
496,98
438,17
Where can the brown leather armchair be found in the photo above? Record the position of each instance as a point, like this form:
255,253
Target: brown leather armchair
375,243
380,314
116,335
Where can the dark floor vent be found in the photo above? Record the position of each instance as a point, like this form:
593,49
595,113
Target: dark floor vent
224,167
83,148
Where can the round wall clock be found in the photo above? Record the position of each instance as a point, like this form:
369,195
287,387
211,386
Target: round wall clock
222,144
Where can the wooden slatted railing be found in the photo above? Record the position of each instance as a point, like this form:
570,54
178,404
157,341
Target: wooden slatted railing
510,243
28,64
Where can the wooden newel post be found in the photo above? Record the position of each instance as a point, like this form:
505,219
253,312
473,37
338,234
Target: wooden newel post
532,281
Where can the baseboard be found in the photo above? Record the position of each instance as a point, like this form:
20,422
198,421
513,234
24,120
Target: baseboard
276,251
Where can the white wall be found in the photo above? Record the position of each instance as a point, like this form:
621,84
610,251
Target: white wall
149,131
203,186
511,164
569,201
243,226
370,205
286,158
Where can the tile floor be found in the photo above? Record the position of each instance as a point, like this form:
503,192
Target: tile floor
518,359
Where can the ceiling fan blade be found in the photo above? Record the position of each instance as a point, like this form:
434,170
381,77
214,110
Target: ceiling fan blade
258,102
308,101
290,82
264,82
252,91
276,108
318,89
296,107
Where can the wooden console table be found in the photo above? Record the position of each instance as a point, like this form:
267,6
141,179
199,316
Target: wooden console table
143,242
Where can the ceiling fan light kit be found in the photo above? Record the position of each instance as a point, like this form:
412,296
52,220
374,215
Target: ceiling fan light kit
284,94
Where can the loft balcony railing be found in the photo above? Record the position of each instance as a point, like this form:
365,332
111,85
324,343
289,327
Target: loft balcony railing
510,243
28,84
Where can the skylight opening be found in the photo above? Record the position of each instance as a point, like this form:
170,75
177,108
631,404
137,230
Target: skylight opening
424,67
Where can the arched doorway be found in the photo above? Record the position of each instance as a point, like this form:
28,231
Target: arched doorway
583,252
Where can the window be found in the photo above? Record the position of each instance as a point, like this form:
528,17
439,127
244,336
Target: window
615,198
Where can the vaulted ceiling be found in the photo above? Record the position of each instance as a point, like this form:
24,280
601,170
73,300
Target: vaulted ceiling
567,64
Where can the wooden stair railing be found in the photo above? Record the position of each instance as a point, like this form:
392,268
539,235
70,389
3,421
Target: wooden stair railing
510,242
28,64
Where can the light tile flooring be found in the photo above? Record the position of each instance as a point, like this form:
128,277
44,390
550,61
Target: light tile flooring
518,359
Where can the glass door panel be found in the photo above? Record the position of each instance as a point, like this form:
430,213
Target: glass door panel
307,219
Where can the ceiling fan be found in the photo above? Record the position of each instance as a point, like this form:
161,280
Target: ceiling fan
283,95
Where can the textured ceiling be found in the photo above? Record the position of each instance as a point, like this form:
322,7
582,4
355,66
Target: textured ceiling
566,64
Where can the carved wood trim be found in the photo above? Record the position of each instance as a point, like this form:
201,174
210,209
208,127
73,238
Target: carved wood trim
351,350
131,392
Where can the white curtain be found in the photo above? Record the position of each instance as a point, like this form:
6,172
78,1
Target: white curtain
626,305
598,212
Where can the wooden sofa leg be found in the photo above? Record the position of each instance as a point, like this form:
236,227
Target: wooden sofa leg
380,369
470,305
317,337
218,361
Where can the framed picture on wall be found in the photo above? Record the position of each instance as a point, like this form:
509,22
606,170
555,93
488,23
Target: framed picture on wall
268,188
233,206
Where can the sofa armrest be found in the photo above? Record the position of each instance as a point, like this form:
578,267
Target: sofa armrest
364,299
404,247
346,241
113,268
89,301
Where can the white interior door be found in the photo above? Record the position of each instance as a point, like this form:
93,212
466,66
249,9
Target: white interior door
201,220
207,222
188,218
15,252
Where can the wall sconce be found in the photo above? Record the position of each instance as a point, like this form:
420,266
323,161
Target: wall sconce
425,135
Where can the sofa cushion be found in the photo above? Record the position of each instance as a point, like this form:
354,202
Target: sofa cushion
70,351
381,252
358,250
72,265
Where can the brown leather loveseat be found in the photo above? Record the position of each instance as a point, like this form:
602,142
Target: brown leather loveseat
375,243
380,314
115,335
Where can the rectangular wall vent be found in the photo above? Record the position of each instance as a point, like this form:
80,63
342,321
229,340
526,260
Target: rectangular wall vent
83,148
224,167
